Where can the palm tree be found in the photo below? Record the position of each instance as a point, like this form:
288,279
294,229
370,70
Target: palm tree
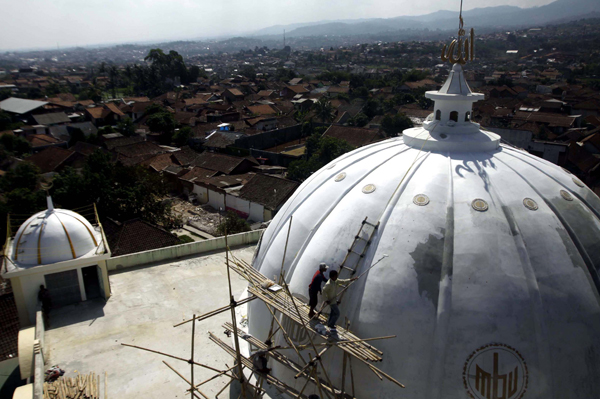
324,110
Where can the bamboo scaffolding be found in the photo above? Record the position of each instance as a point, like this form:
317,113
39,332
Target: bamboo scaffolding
180,358
278,357
186,380
281,302
233,318
192,355
216,311
280,385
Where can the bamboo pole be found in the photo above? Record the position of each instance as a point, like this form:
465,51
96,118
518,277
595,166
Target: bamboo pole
280,281
351,376
312,362
186,380
233,318
178,358
216,311
309,337
215,376
225,387
192,357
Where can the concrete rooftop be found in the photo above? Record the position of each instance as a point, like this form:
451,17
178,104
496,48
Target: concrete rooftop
146,303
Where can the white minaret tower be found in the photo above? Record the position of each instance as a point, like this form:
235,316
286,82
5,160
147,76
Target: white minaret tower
450,127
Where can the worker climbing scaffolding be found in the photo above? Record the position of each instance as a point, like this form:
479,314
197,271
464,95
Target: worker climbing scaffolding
330,296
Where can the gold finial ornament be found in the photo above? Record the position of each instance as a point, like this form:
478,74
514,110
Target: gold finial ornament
462,49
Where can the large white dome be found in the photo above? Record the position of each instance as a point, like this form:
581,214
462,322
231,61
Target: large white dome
491,281
52,236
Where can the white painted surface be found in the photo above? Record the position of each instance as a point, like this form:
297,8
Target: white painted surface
52,236
456,279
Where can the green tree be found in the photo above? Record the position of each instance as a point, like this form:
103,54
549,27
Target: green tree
126,127
75,136
182,136
232,224
320,150
25,175
359,120
15,145
324,110
163,123
120,192
394,125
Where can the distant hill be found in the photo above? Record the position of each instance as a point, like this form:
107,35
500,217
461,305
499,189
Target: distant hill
489,17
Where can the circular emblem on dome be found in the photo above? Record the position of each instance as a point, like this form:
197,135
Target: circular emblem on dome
421,200
369,188
530,204
578,182
340,177
566,195
495,371
479,205
331,166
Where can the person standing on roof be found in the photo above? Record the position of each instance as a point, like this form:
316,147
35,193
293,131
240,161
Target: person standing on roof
314,288
330,293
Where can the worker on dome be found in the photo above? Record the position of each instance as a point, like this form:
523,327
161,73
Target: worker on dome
330,294
314,288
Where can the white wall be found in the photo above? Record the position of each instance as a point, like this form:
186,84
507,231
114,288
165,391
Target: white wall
178,251
216,200
256,212
202,193
238,204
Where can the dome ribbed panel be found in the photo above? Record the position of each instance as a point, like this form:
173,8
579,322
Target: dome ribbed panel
497,254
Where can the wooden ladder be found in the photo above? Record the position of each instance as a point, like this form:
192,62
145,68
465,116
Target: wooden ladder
356,252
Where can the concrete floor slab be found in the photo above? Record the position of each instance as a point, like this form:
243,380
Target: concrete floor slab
145,304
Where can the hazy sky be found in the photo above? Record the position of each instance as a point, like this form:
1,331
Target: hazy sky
46,23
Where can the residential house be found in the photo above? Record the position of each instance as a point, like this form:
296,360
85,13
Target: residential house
136,235
355,136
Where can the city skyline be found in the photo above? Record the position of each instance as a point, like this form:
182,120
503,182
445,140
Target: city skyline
66,23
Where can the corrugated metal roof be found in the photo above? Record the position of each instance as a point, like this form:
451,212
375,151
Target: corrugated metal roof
20,105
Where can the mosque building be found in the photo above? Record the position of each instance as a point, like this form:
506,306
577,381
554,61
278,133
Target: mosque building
489,262
61,250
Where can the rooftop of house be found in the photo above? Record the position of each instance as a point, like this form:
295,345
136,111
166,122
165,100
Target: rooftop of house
139,149
20,105
355,136
146,303
267,190
120,141
50,158
42,140
135,236
51,119
219,162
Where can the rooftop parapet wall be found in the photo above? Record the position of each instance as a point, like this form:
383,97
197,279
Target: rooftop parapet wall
179,251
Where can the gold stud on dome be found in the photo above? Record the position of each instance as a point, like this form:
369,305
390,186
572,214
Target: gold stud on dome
340,177
421,200
479,205
530,204
566,195
368,189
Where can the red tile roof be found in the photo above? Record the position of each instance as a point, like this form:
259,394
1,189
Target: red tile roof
355,136
50,158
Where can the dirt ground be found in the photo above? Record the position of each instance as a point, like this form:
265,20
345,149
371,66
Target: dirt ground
202,217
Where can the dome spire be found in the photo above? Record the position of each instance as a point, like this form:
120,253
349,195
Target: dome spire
50,204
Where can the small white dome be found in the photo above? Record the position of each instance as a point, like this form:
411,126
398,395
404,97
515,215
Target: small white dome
54,235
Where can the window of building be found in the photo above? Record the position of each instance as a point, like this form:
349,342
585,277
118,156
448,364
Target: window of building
467,116
438,115
454,116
